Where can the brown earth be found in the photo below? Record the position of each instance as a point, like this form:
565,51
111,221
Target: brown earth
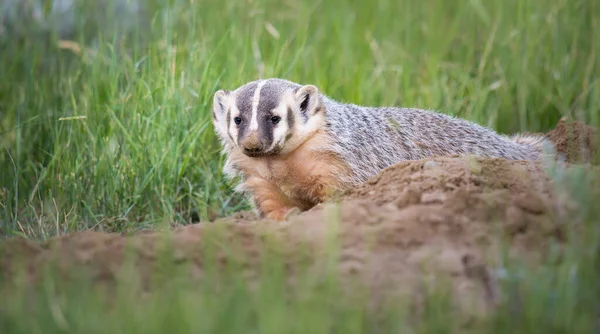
417,221
575,141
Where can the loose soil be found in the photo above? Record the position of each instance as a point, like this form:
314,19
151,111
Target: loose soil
417,221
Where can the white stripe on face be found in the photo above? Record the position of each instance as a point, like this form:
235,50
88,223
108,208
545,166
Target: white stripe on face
255,101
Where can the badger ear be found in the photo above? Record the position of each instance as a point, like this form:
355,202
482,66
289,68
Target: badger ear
308,100
219,104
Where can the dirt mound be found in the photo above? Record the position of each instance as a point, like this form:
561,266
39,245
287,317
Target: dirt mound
574,141
416,221
463,197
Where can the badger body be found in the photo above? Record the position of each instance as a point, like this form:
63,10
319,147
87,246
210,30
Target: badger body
293,147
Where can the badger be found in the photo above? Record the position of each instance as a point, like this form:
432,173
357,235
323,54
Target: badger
292,147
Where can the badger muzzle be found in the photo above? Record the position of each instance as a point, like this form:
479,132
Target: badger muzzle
252,145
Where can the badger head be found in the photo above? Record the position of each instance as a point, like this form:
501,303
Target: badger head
267,117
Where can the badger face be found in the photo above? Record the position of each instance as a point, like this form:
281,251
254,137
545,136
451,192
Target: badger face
267,117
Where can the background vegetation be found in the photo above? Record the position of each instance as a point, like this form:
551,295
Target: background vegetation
104,116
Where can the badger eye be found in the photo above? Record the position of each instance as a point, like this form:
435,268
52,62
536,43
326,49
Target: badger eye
237,120
275,119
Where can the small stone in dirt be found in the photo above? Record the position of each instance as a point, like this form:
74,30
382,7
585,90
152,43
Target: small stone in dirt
429,165
374,180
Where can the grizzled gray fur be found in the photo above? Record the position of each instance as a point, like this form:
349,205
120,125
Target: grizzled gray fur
374,138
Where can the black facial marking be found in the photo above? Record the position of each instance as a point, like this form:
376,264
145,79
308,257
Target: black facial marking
228,118
243,101
244,97
269,99
265,131
290,118
228,123
242,128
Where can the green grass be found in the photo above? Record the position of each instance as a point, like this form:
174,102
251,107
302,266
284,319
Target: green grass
118,138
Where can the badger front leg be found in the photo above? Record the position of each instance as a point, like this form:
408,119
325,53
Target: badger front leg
268,200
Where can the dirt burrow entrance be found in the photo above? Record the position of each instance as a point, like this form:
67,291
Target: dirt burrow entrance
415,221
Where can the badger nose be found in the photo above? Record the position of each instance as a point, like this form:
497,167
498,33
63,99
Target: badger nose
253,147
252,144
